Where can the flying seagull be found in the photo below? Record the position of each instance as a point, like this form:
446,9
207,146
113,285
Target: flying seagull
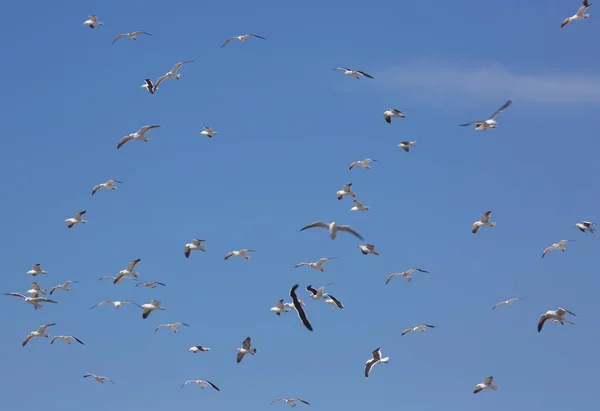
40,332
245,349
172,327
580,15
35,301
76,219
100,379
242,38
368,249
333,228
358,206
171,74
376,359
151,284
36,290
241,254
556,315
334,301
201,383
298,307
290,401
345,191
586,226
36,270
489,123
66,338
556,246
148,85
116,304
279,308
353,73
151,306
198,348
128,272
195,245
92,21
418,329
362,163
208,132
64,287
316,265
485,385
138,135
109,185
507,302
391,113
317,294
406,145
405,274
484,221
133,35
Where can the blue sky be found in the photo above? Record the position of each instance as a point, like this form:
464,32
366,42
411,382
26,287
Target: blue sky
289,127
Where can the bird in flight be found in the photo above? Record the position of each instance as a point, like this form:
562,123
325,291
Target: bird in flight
208,132
556,246
586,226
171,74
392,113
489,123
151,284
374,360
580,15
92,21
362,163
353,73
109,185
404,274
40,332
242,38
333,228
201,383
240,254
507,302
66,338
64,287
195,245
484,221
76,219
345,191
100,379
297,305
35,301
133,35
418,329
556,315
138,135
36,270
358,206
368,249
406,145
316,265
173,327
245,350
290,401
485,385
198,348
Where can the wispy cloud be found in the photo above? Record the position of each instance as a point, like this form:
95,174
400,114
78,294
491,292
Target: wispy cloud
435,79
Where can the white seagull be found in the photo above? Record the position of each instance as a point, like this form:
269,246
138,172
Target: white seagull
138,135
358,206
485,385
418,329
374,360
580,15
333,228
489,123
368,249
128,272
36,270
66,338
334,301
148,308
406,145
93,21
353,73
362,163
389,114
405,274
245,349
116,304
279,308
317,294
151,284
201,383
241,254
40,332
586,226
195,245
484,221
100,379
290,401
35,301
76,219
208,132
198,348
556,246
36,290
316,265
556,315
148,85
242,38
171,74
172,327
109,185
345,191
133,35
507,302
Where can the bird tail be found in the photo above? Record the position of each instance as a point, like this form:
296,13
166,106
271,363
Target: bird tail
252,351
493,224
592,229
376,252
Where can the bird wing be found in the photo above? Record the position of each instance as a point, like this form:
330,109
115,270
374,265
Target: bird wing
336,301
78,340
429,325
96,188
563,242
347,187
485,217
161,326
257,36
406,331
246,343
365,74
144,129
350,230
79,214
124,140
102,303
357,203
376,354
302,401
488,380
501,109
390,277
16,295
226,43
159,80
368,366
135,33
541,322
312,290
26,340
52,290
276,399
178,65
352,165
342,68
212,385
186,251
316,224
298,307
187,382
229,255
118,37
475,227
565,22
43,328
421,271
54,339
132,264
240,356
581,10
498,304
546,251
472,122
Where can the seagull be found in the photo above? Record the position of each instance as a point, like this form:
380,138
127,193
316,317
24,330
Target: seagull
363,163
333,228
418,329
484,221
556,246
198,348
195,245
245,350
35,301
151,284
40,332
316,265
368,249
118,279
171,74
138,135
485,385
580,15
334,301
127,272
117,304
586,226
76,220
36,270
556,315
148,85
507,302
131,35
36,290
359,207
353,73
405,274
376,359
93,21
241,254
406,145
201,383
317,294
389,114
345,191
109,185
242,38
98,378
279,308
290,401
66,338
489,123
148,308
172,327
208,132
297,305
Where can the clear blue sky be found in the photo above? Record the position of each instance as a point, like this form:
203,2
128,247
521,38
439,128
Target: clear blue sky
289,127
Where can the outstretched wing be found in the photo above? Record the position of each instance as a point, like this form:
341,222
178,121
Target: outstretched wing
501,109
118,37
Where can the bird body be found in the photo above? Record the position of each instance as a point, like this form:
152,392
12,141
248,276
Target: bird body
345,191
40,332
406,145
358,206
36,270
580,15
558,316
489,123
153,305
368,249
586,226
240,254
208,132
